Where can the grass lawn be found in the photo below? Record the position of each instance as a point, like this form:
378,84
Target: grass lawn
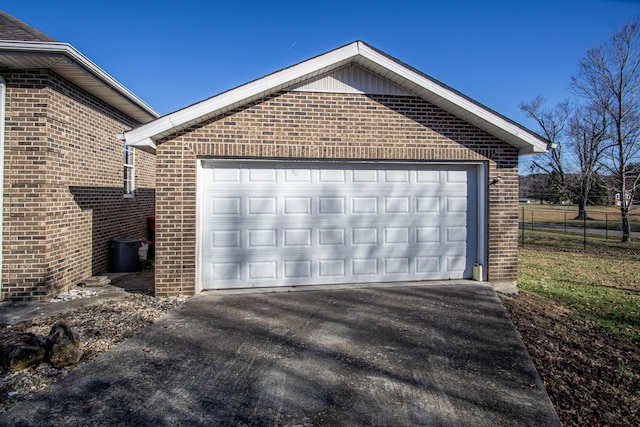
603,288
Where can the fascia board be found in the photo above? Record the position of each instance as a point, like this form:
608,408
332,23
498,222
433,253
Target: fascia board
530,150
56,49
255,89
451,97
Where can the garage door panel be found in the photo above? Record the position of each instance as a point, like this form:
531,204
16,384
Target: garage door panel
264,271
270,224
261,238
225,175
428,235
297,269
365,176
297,237
224,271
396,235
225,238
297,205
261,175
364,236
396,205
428,176
428,264
364,267
396,176
364,205
396,266
456,205
218,206
427,204
331,205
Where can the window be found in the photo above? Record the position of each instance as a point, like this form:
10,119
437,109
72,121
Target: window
128,172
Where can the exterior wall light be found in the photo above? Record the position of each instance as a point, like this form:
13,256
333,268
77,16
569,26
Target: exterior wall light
495,181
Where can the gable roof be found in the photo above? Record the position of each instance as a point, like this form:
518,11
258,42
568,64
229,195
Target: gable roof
364,57
22,46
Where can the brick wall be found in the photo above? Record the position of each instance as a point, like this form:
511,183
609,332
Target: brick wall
63,197
297,125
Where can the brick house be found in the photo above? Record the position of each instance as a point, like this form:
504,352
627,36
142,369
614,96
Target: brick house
68,188
348,167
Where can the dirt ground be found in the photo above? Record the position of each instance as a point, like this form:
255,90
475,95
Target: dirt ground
592,376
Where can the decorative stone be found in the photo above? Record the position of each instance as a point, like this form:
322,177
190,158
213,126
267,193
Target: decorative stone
63,346
20,350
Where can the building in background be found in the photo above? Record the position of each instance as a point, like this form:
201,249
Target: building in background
69,185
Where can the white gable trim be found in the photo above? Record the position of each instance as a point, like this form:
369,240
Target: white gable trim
376,62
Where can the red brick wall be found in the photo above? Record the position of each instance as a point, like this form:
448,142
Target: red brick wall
63,198
298,125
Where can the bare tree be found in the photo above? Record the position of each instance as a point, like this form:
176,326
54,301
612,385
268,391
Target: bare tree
552,122
587,133
609,78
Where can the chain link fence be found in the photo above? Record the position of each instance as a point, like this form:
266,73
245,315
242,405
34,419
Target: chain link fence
536,221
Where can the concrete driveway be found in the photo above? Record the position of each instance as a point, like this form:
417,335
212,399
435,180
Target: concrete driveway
434,355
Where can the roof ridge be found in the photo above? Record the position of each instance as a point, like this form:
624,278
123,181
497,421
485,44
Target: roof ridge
12,28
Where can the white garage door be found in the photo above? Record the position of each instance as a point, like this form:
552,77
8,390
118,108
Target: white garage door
286,223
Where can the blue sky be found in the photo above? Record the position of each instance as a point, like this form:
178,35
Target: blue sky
172,54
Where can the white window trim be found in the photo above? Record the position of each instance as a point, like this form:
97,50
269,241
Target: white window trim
129,186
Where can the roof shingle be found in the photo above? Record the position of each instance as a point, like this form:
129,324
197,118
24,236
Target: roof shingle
12,28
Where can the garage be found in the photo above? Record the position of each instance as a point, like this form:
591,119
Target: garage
264,224
349,167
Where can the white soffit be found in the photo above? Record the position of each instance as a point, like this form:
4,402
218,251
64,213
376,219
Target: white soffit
315,70
65,60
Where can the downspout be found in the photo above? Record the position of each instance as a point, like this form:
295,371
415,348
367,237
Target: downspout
3,95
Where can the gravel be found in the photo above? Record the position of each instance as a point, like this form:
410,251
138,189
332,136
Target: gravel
100,326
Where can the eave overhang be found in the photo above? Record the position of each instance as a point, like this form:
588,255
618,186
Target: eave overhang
365,56
66,61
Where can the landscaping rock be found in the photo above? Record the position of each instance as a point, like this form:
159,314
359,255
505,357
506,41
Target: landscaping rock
63,346
101,327
20,350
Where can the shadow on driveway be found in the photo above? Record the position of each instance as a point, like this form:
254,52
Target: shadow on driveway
444,355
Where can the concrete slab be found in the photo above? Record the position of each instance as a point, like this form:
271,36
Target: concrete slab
422,355
138,282
12,312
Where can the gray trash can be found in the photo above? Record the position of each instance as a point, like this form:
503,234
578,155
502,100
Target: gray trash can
123,254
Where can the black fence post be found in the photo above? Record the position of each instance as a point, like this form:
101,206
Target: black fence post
584,226
531,219
523,226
